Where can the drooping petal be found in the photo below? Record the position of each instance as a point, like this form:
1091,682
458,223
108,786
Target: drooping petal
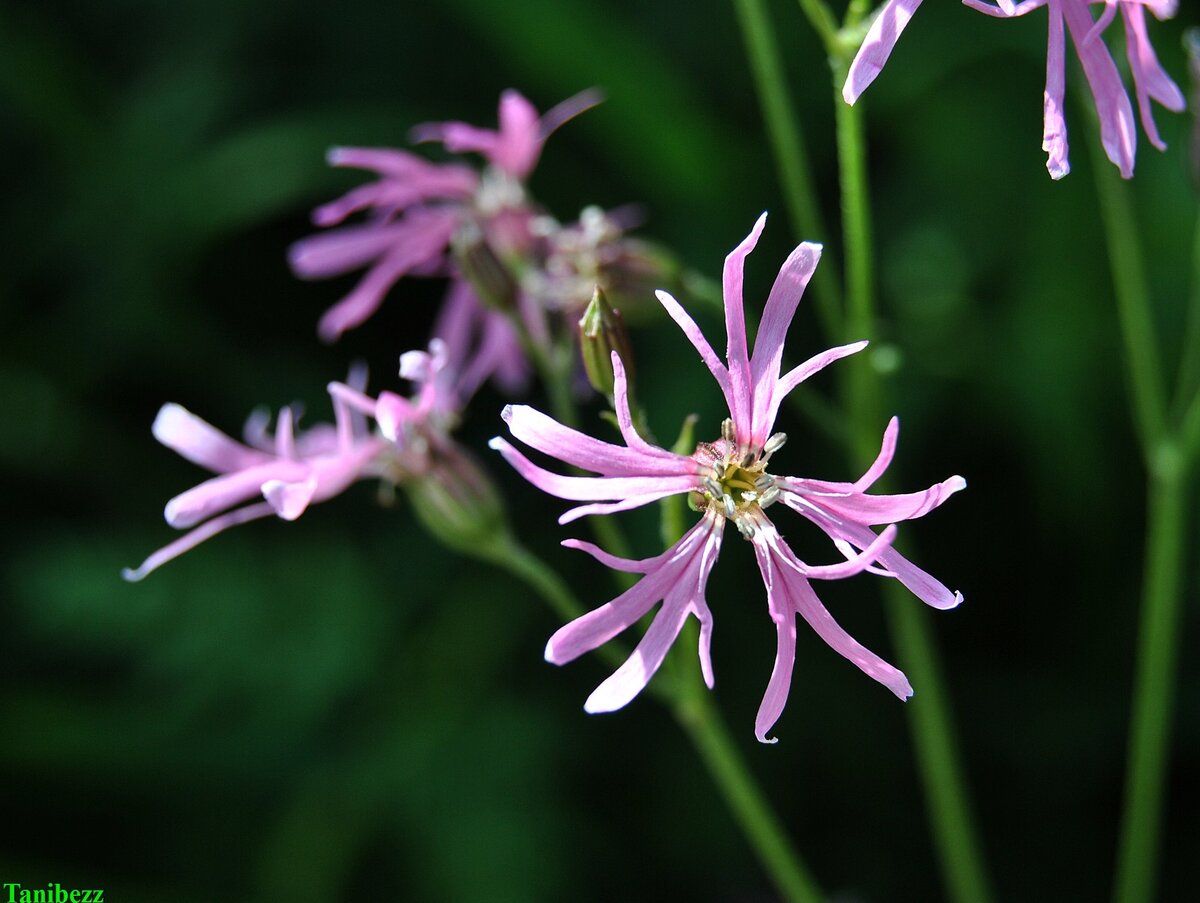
421,244
1118,134
873,510
201,443
1150,80
1054,122
192,539
877,46
789,592
631,678
629,565
678,577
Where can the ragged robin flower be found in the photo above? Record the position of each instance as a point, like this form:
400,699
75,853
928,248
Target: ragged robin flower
731,479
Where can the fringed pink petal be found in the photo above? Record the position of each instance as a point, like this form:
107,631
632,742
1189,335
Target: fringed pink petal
349,248
797,375
883,460
877,46
696,337
626,504
592,488
631,678
201,443
629,565
387,161
1118,134
419,247
549,436
872,510
1054,122
624,418
781,306
737,354
213,496
562,113
1150,80
520,141
192,539
788,591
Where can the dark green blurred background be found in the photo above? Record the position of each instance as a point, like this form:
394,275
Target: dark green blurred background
337,709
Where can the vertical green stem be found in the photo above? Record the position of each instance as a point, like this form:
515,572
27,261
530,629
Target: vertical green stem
955,836
1188,384
1154,682
787,145
707,730
1168,463
1133,303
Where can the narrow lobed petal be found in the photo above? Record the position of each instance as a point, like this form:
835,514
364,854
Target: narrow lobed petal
1054,122
592,488
190,540
1150,80
1118,134
201,443
877,46
782,302
696,337
737,354
570,446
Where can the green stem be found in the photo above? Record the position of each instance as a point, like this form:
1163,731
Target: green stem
709,734
1187,386
1142,357
1168,463
1154,682
787,145
955,836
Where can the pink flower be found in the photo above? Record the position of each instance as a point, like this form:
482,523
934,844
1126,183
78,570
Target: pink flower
285,473
417,208
1118,132
280,475
727,480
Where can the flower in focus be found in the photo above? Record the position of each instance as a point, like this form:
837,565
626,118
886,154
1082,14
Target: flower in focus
727,480
285,473
1117,130
417,210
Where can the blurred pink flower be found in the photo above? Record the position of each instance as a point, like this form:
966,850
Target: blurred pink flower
727,480
416,209
1118,132
285,473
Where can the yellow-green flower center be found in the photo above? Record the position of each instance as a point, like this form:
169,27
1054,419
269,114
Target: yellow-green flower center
737,486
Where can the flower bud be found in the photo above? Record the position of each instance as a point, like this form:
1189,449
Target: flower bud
601,332
1191,43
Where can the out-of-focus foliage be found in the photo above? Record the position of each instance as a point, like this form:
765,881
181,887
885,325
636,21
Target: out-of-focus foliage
338,709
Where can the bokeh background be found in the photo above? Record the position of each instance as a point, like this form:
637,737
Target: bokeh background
339,709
